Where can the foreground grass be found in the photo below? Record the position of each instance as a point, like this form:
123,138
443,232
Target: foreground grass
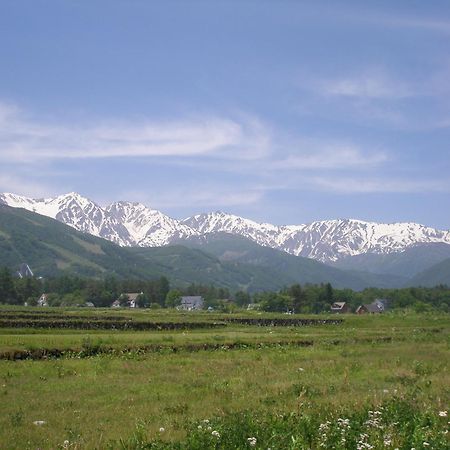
122,402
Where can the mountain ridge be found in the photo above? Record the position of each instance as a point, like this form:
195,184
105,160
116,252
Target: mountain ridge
132,224
53,248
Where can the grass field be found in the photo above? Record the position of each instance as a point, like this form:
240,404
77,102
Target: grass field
258,386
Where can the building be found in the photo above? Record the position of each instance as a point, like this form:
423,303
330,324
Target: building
191,303
24,271
127,299
43,300
340,308
378,306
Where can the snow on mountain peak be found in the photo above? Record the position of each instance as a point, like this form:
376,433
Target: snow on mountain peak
134,224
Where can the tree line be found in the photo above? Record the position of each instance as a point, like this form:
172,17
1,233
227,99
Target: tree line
70,290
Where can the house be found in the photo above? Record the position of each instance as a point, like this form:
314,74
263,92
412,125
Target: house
24,271
361,309
253,307
43,300
128,299
340,308
191,303
376,307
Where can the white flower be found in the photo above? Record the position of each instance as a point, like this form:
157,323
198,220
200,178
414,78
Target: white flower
209,428
161,430
216,434
425,444
206,421
251,441
443,413
39,422
200,427
66,444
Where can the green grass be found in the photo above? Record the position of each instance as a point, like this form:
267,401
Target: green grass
123,401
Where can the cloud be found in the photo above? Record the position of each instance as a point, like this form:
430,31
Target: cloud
202,196
330,156
349,185
24,139
23,185
371,84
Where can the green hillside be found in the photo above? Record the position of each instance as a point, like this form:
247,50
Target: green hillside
405,264
434,276
230,248
52,248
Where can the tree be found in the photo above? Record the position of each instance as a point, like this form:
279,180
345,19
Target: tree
8,292
142,301
173,298
242,298
299,298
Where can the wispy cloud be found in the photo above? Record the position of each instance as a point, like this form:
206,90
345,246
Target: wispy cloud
22,185
352,185
202,196
373,84
327,155
28,139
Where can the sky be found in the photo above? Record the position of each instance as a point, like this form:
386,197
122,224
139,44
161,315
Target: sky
279,111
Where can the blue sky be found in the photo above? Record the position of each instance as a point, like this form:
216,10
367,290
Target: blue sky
279,111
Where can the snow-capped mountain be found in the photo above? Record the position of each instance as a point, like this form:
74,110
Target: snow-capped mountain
219,222
134,224
76,211
148,227
325,241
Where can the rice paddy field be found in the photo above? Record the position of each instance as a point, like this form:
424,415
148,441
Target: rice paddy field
99,379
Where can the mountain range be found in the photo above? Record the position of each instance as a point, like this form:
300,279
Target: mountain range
356,253
53,248
134,224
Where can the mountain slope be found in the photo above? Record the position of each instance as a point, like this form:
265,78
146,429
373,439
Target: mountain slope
230,248
133,224
52,248
439,274
147,227
408,263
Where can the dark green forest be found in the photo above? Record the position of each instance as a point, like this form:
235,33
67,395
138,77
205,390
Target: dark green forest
72,290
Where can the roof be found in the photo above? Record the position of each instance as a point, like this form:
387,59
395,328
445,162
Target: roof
375,307
338,305
191,299
132,295
24,271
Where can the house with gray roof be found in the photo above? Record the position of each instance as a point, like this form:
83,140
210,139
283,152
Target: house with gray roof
24,271
191,303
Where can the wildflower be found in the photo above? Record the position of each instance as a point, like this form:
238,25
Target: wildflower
206,421
66,444
161,430
209,428
215,434
425,444
301,369
39,422
442,413
251,441
200,427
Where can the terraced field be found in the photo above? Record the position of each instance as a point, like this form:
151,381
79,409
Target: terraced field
205,380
